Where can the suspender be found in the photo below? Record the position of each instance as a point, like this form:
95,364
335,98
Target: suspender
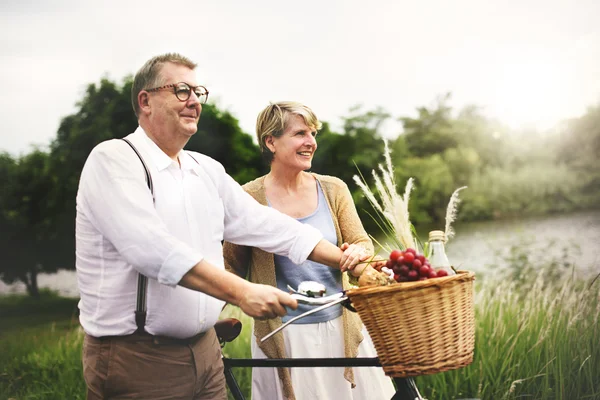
142,286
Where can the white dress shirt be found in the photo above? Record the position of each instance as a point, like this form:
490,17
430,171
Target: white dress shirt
120,231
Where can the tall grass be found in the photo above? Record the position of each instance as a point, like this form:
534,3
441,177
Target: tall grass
537,335
40,348
538,342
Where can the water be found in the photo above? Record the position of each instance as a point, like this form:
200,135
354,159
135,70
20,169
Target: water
475,247
64,282
479,245
483,246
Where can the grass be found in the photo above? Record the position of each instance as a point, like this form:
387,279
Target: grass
537,337
40,348
537,334
539,342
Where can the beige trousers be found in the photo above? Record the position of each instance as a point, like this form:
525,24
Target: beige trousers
140,366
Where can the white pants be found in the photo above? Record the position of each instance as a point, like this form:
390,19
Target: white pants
322,340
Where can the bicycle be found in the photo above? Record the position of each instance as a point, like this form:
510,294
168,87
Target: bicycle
229,329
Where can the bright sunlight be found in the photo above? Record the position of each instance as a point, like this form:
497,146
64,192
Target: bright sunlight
532,93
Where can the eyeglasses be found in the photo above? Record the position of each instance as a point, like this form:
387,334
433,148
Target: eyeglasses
183,91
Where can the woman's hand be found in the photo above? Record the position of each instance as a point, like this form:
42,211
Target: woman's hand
354,258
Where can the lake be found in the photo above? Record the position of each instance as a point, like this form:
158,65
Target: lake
477,246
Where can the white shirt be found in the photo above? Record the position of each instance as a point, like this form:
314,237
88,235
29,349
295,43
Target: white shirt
120,231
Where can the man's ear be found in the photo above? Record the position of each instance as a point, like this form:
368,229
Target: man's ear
144,101
269,142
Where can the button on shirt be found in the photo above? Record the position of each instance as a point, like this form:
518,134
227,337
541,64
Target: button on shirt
120,231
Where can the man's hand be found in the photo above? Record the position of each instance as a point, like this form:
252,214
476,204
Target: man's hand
265,302
259,301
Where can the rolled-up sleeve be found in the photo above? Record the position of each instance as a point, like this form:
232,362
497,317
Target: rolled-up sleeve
181,259
251,224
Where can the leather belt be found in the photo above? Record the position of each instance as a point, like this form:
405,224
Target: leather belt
156,339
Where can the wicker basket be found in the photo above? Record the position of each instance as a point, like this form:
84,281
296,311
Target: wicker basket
422,327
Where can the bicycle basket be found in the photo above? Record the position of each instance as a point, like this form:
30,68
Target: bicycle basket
422,327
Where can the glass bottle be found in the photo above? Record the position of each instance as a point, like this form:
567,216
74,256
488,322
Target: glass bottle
437,253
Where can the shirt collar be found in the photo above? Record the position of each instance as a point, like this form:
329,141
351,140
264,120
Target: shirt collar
157,156
189,162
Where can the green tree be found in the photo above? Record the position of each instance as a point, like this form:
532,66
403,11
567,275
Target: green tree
331,157
359,146
578,146
432,131
463,163
8,179
220,137
30,238
358,149
433,185
488,138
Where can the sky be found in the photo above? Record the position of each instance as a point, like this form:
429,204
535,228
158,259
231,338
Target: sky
525,62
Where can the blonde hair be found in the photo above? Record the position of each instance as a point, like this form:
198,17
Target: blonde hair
149,75
273,119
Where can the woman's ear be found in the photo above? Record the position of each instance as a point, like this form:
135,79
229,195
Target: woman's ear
270,143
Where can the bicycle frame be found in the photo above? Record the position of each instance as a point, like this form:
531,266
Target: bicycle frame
405,387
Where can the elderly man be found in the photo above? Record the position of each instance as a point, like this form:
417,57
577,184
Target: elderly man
151,218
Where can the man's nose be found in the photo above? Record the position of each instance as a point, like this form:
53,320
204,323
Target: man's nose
193,98
194,101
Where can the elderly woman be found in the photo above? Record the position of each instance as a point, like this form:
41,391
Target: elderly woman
287,133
